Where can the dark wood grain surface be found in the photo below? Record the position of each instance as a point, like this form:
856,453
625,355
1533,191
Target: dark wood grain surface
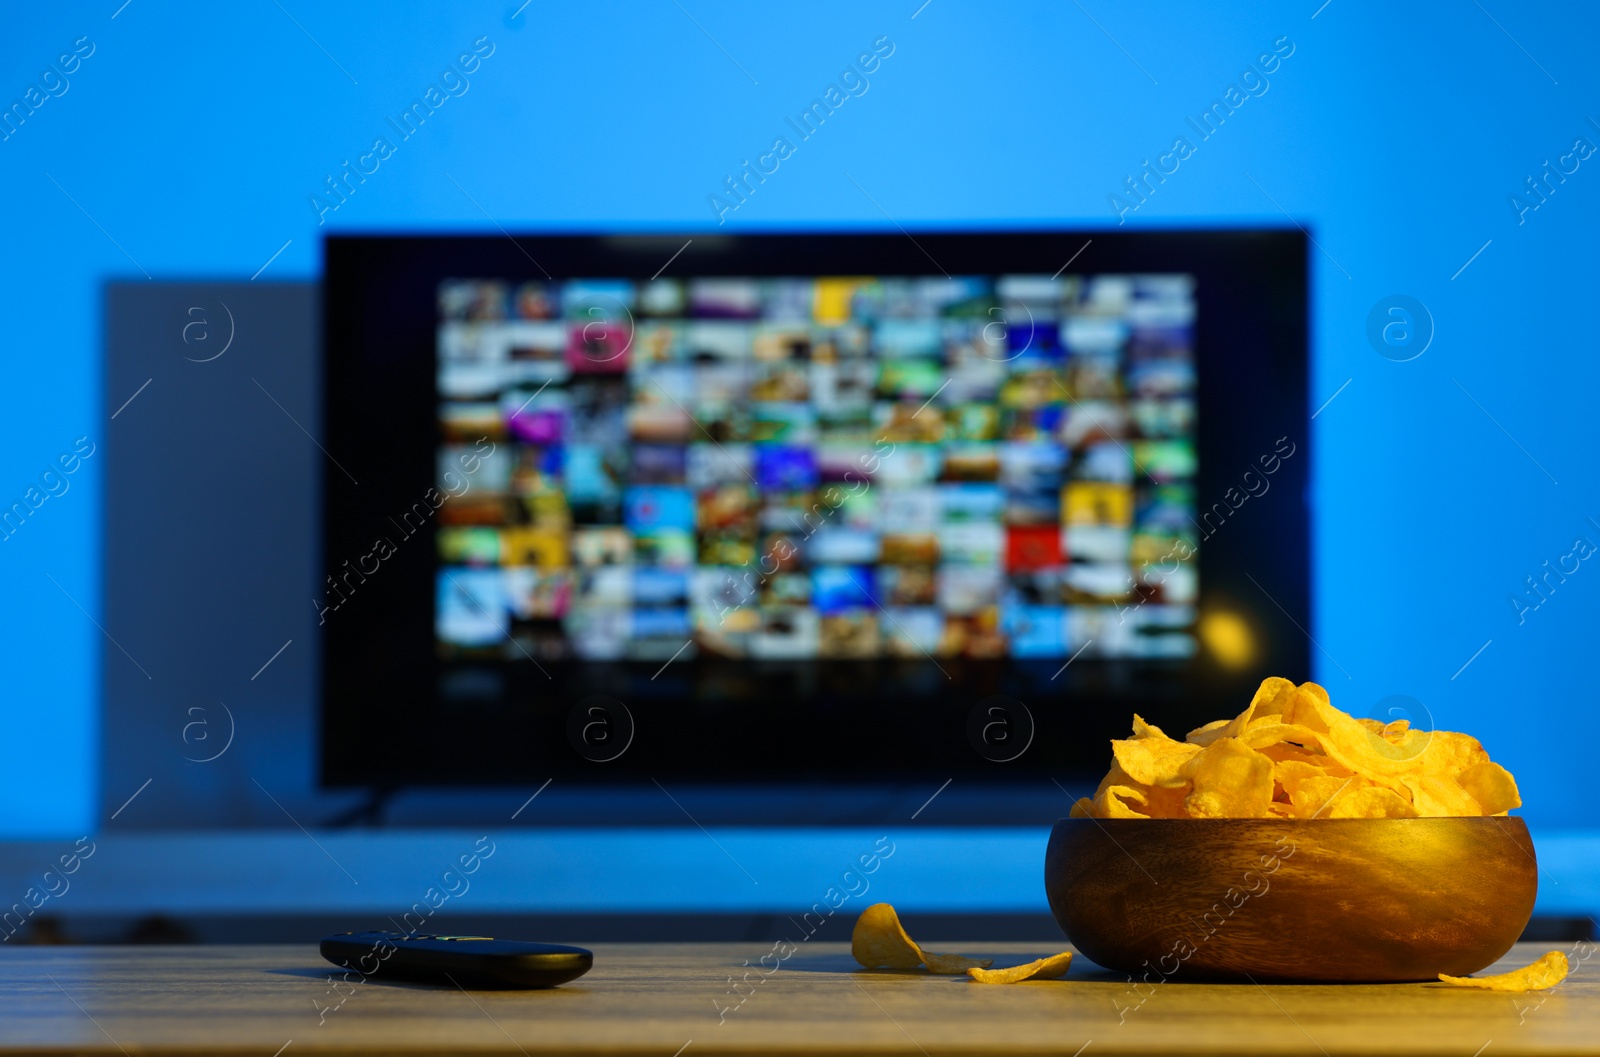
663,1000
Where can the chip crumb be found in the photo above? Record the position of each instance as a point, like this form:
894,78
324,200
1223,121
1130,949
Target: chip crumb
1545,973
1051,968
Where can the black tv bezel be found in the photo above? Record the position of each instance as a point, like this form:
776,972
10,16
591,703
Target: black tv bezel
382,725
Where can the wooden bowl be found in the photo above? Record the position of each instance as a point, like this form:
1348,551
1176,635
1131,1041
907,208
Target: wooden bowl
1341,900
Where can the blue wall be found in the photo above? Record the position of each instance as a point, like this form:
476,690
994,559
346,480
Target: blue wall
191,137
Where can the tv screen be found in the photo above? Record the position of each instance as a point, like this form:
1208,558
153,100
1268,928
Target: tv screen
856,489
805,468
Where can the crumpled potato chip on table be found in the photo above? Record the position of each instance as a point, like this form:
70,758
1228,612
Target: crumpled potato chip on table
879,941
1051,968
1539,975
1292,755
953,964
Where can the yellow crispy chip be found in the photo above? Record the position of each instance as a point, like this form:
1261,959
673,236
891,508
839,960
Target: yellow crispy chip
1395,731
1152,802
1165,803
1141,729
1344,738
1112,803
1271,732
1435,796
1311,708
879,941
1268,700
953,964
1115,776
1370,802
1153,758
1051,968
1536,976
1450,753
1299,769
1209,733
1291,754
1391,732
1231,780
1411,743
1491,786
1313,797
1284,751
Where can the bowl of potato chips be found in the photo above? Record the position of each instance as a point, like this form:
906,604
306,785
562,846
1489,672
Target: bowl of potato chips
1295,842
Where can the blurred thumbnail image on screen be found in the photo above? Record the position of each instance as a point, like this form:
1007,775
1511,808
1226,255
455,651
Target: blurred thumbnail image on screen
816,468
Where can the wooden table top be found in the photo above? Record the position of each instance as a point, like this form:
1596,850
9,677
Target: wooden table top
663,1000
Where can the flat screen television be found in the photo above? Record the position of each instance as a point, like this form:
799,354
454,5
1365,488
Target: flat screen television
804,508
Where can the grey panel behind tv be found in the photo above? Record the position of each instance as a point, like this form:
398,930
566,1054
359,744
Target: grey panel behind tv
210,541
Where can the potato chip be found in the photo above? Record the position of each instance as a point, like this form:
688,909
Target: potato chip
879,941
1491,786
1153,759
1411,743
1155,802
1209,733
1396,731
1051,968
1370,802
1115,776
1112,802
1231,780
1291,771
1291,754
1547,972
1320,762
1436,796
953,964
1272,732
1285,751
1302,707
1313,796
1268,700
1450,753
1358,748
1165,803
1141,729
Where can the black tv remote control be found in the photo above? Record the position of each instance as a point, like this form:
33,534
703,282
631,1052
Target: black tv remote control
468,961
